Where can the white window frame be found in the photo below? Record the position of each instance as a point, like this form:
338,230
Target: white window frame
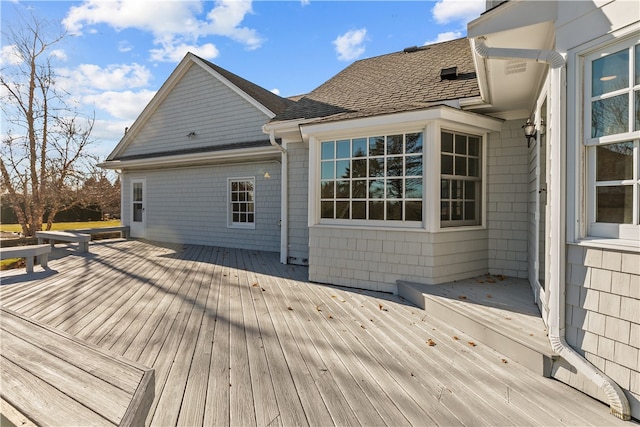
230,222
600,230
431,122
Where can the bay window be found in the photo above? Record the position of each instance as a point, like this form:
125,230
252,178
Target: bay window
612,143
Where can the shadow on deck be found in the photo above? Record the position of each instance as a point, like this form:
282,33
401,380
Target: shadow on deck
498,311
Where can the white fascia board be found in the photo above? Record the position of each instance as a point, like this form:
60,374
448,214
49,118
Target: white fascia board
234,88
512,15
402,121
216,157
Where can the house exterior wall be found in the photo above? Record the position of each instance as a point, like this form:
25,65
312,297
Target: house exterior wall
298,187
189,205
373,258
202,104
507,201
603,313
602,307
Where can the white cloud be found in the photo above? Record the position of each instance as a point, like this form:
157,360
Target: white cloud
174,53
59,54
446,11
9,55
174,24
124,46
350,45
443,37
126,105
276,91
88,77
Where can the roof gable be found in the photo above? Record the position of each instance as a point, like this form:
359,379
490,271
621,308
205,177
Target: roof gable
250,102
402,81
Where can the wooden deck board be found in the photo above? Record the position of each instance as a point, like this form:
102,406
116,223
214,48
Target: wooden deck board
237,338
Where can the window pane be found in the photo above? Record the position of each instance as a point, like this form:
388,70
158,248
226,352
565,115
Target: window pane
342,189
614,204
456,211
394,166
469,211
637,67
474,146
394,144
394,211
446,141
137,212
413,211
614,162
461,144
460,166
342,210
414,143
637,125
376,167
376,188
610,116
456,189
474,167
137,192
359,168
359,210
326,209
359,189
360,147
446,165
327,171
413,188
376,210
327,150
376,146
342,168
470,190
413,165
394,189
610,73
445,211
343,149
444,189
327,189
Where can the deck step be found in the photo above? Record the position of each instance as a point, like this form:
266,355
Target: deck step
499,313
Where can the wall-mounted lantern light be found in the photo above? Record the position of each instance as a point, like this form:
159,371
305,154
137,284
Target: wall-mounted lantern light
529,131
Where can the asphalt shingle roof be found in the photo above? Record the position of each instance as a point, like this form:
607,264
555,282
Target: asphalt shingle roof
392,83
267,98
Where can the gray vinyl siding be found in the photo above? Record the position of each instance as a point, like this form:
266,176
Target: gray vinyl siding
189,205
298,203
375,259
202,104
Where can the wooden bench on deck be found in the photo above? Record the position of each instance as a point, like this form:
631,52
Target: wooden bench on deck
65,236
123,229
53,378
28,253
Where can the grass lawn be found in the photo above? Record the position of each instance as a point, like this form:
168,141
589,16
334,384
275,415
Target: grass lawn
59,226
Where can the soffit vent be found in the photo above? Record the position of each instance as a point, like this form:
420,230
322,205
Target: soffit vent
515,67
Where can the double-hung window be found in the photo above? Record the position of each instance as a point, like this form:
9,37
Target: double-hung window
372,178
460,182
612,141
241,203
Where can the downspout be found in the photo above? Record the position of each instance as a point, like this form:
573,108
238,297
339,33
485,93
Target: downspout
618,402
284,200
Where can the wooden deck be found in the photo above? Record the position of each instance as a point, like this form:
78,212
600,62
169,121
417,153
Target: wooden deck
236,338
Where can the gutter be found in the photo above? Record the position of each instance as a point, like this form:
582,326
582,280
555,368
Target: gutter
618,402
284,199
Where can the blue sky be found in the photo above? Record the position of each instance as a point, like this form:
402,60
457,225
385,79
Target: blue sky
120,52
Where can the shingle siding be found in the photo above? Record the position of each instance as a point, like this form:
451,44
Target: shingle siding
605,319
508,196
202,104
298,188
189,205
376,259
